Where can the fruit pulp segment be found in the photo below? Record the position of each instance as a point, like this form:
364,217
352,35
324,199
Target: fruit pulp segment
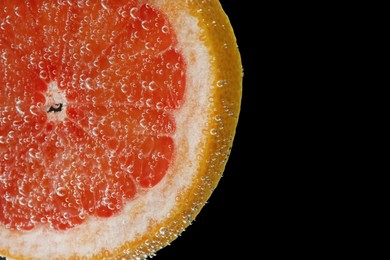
88,90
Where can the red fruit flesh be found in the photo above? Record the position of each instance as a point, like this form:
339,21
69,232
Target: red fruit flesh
86,116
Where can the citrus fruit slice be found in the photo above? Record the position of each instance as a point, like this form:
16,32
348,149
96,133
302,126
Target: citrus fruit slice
117,118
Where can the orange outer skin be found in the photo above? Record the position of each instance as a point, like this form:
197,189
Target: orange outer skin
226,103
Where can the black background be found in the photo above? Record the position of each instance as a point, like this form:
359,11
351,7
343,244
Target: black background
227,227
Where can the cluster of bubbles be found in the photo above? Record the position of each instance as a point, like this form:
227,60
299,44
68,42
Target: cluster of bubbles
87,120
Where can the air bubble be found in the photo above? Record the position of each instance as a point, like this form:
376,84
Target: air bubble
149,102
95,131
130,169
88,47
38,155
16,11
41,64
82,215
143,25
60,191
31,152
103,5
17,106
34,110
213,131
10,134
124,88
218,118
159,105
122,13
152,86
43,74
165,29
111,206
133,11
221,83
27,119
22,201
142,123
88,83
72,43
163,231
144,84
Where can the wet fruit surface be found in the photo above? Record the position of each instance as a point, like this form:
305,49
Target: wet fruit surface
87,95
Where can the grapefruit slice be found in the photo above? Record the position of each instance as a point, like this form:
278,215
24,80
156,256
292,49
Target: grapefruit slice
117,119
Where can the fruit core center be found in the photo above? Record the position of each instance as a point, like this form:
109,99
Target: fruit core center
55,102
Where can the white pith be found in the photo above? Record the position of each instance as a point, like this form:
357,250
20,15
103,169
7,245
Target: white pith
96,234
